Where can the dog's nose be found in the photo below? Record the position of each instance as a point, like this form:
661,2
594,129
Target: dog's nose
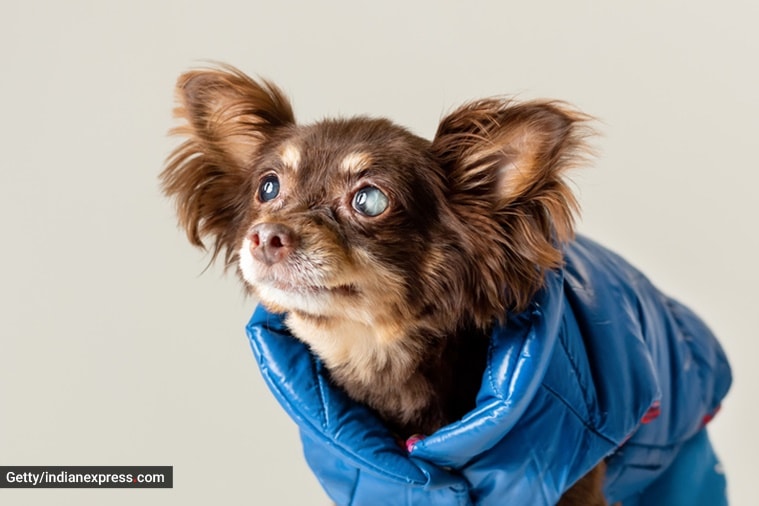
271,243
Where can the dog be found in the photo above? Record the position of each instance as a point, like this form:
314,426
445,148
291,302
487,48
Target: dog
392,256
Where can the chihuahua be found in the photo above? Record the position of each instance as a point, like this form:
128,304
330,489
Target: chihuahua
393,256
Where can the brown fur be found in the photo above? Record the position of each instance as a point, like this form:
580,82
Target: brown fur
399,305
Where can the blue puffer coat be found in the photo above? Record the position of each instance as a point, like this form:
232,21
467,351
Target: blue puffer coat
602,365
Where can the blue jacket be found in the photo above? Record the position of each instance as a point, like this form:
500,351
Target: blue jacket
601,365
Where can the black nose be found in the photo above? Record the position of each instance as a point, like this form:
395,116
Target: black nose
271,243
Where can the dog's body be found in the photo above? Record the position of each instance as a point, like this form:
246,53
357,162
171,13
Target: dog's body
393,256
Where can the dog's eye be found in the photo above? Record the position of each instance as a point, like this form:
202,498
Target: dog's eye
269,188
370,201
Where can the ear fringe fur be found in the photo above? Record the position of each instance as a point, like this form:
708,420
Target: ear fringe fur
512,234
226,117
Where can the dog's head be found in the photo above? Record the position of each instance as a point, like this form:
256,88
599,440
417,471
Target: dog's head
359,219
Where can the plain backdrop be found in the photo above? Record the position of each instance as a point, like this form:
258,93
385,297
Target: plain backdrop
116,348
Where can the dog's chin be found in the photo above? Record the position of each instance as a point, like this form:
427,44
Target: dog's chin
312,300
281,291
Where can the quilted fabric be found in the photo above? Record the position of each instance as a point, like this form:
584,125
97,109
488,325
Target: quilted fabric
601,366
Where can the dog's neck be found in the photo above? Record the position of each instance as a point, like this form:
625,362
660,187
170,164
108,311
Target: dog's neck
404,374
358,349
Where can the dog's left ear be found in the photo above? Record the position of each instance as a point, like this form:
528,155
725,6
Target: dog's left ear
509,152
505,164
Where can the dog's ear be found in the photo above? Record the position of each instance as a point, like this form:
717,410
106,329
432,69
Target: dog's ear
505,164
227,117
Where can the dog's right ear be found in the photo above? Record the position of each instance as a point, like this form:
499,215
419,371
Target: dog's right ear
227,117
505,163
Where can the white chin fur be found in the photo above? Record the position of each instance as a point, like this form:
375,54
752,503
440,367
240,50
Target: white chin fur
247,263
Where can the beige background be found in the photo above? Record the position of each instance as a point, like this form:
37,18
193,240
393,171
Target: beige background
115,350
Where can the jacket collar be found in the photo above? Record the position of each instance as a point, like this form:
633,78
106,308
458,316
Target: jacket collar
518,358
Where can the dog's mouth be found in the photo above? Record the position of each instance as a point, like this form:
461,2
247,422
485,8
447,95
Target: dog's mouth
342,290
299,283
315,299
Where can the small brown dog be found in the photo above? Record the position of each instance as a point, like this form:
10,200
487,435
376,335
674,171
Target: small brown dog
392,255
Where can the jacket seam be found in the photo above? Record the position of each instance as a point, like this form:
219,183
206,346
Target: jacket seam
576,372
582,420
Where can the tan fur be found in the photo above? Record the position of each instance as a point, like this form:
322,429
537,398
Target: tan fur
353,163
588,490
290,155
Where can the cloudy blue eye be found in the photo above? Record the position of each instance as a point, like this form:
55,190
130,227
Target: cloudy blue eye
269,188
370,201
